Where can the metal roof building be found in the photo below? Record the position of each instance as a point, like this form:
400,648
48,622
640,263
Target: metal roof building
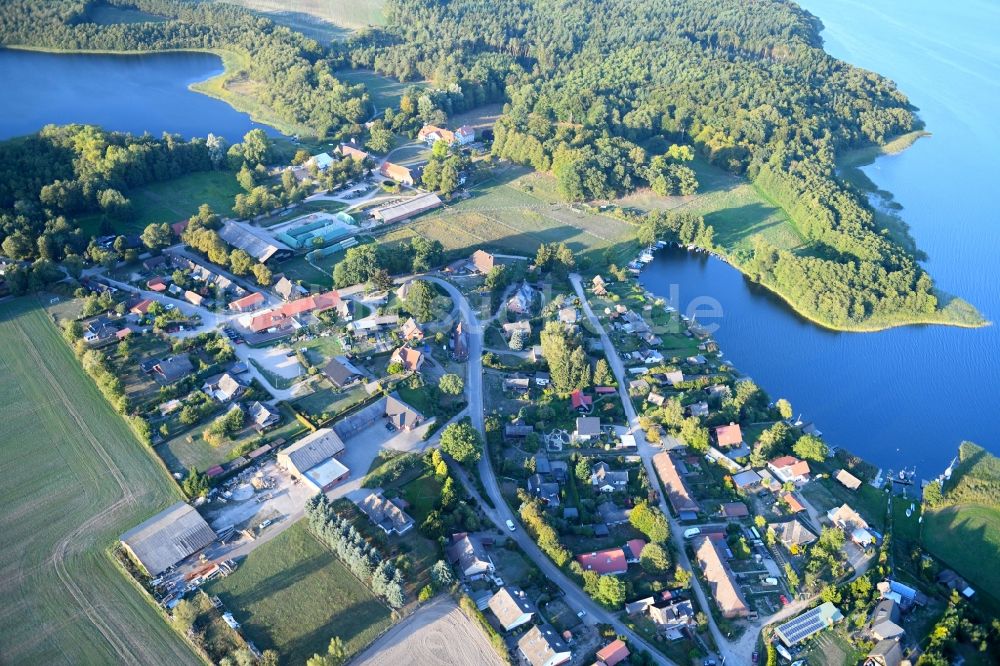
407,208
312,458
253,241
168,537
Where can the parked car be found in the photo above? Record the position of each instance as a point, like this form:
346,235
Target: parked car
510,525
691,532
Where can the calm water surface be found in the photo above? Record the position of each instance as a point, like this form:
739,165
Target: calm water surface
134,93
905,396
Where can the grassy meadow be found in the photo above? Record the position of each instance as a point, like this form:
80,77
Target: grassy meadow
293,595
173,200
75,478
349,14
385,91
965,537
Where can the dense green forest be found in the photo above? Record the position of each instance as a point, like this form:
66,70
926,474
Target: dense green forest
598,92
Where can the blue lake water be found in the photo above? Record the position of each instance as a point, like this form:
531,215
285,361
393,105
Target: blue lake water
904,396
133,93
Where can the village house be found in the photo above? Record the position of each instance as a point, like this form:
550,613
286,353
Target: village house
610,562
356,154
284,316
793,503
671,617
223,387
399,173
568,316
542,647
262,416
520,302
793,534
790,469
581,402
409,358
411,330
607,481
746,480
546,491
321,161
852,523
885,621
673,377
587,428
733,510
511,607
600,287
156,284
468,557
385,514
287,289
341,372
464,135
613,653
518,429
698,409
173,369
194,298
401,416
314,459
516,384
887,652
248,303
142,307
729,435
510,328
611,514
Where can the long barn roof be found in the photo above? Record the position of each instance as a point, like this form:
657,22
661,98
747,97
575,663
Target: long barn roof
168,537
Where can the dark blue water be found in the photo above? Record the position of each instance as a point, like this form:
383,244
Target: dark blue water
905,396
133,93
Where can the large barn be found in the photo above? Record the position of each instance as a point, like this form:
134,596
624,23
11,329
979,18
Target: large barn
313,459
168,537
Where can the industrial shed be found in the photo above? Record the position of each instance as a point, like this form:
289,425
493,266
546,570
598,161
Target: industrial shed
168,537
253,241
407,208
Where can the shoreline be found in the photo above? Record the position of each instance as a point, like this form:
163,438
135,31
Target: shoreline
233,64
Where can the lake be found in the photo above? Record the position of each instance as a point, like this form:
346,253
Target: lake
905,396
133,93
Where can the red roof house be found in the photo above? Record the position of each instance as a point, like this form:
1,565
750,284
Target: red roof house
794,505
410,359
283,314
142,307
580,401
157,284
729,435
614,652
790,469
605,562
248,302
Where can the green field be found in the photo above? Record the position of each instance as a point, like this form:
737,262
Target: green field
965,537
74,479
732,205
293,595
385,91
510,212
351,14
173,200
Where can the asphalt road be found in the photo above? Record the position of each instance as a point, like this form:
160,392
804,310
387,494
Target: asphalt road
574,595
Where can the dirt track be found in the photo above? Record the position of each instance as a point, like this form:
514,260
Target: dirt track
438,633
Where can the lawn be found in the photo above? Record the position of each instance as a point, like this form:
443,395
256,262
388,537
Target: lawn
75,478
293,595
329,400
173,200
385,91
732,205
422,493
965,537
352,14
298,268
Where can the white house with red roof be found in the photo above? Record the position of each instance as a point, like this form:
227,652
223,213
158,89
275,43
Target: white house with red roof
789,469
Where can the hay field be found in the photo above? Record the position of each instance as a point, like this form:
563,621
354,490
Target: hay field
74,479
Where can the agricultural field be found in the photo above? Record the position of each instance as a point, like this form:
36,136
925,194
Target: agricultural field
732,205
505,213
293,595
349,14
174,200
75,478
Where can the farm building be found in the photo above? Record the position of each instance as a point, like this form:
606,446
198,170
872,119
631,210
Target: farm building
313,458
407,208
676,490
253,241
347,150
399,173
168,537
720,579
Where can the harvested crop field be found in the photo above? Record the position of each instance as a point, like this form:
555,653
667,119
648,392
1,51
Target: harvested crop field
438,633
75,478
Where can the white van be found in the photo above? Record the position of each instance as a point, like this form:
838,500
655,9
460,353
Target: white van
691,532
510,525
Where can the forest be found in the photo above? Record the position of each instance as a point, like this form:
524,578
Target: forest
606,96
